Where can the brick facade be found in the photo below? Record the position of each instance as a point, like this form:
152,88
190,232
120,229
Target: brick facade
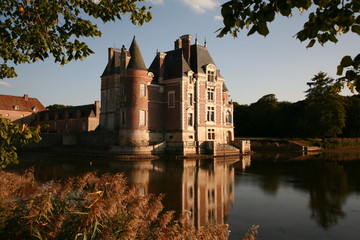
181,99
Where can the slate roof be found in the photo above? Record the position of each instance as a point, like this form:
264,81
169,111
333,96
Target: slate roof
136,60
85,111
23,103
176,66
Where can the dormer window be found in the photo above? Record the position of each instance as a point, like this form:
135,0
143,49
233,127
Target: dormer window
34,109
211,76
210,70
16,107
190,75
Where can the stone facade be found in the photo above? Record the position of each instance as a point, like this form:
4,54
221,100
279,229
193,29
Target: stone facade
181,99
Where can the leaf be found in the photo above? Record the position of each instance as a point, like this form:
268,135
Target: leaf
346,61
263,29
252,30
339,70
311,43
356,29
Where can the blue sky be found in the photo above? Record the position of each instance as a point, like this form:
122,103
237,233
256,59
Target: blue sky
253,66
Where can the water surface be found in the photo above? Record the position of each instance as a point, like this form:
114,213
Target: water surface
289,196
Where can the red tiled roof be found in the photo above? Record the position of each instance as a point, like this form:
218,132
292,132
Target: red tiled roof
24,103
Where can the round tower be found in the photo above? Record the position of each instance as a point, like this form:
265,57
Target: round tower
136,80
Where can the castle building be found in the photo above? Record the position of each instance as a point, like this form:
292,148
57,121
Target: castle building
180,101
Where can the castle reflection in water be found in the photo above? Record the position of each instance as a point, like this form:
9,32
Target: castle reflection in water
205,187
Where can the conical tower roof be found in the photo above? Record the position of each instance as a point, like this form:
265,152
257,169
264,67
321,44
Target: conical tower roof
136,60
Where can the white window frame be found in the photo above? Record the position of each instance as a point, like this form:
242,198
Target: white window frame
190,119
228,117
142,90
210,114
142,117
211,76
211,94
211,134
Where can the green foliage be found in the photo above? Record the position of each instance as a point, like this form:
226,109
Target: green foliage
325,108
57,106
326,21
34,30
90,207
12,134
352,123
300,119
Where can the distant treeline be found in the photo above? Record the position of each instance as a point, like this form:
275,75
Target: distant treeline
313,117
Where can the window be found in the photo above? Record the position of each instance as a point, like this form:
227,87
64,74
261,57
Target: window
190,119
142,89
211,76
171,99
228,117
142,118
211,215
211,134
123,117
190,99
122,92
34,109
191,79
16,107
210,114
211,94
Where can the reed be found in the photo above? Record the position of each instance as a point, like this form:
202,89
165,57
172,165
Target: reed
89,207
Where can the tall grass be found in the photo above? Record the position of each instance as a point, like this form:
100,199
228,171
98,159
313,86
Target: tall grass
89,207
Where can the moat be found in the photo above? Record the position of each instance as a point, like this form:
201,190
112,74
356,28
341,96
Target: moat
289,196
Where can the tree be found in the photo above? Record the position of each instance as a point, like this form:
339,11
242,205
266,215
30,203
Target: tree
352,124
12,134
325,108
32,30
57,106
327,19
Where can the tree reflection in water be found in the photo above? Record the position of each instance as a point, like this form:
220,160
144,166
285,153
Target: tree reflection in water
326,181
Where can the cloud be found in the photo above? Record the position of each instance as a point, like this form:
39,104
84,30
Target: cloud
5,84
157,2
218,18
200,6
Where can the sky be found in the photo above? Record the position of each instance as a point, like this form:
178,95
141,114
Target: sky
253,66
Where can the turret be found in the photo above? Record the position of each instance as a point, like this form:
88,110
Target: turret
136,81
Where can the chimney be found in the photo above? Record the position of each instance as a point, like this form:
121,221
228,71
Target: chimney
185,39
26,97
161,65
124,59
178,44
97,108
117,57
111,55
